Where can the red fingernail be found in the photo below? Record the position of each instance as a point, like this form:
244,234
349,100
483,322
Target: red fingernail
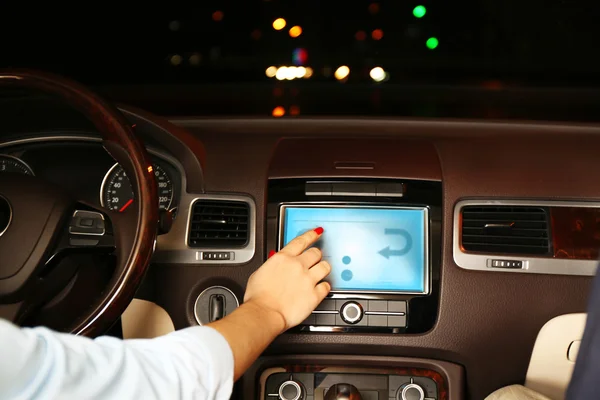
271,253
319,230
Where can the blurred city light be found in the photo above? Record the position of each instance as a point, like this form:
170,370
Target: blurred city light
295,31
377,34
195,59
300,72
373,8
278,111
279,24
419,11
288,72
432,43
342,73
300,56
174,25
360,35
176,59
271,71
377,74
281,73
217,16
294,110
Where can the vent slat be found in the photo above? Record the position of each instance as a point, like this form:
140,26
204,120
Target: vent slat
216,223
506,229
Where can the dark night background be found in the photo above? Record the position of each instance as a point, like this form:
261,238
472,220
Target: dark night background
495,59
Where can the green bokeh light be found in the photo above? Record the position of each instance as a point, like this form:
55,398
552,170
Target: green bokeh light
432,43
419,11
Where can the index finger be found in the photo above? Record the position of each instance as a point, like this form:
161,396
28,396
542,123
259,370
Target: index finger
302,242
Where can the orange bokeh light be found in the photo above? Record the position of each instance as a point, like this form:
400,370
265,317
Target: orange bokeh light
294,110
360,35
217,16
295,31
278,112
377,34
279,24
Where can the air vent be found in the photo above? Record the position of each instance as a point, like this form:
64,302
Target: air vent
220,224
506,230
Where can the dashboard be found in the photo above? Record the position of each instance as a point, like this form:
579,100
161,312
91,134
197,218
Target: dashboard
83,167
460,328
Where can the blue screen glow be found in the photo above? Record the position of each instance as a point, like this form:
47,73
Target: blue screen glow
369,249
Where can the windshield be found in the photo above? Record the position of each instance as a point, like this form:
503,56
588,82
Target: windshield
359,57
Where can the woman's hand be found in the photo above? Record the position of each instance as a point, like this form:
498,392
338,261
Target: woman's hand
288,283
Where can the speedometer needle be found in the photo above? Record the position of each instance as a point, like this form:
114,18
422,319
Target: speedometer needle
126,205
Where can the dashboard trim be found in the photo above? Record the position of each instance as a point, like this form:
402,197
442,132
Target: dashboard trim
172,247
531,264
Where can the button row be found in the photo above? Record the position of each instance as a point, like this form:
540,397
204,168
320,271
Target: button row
391,189
372,313
215,255
505,264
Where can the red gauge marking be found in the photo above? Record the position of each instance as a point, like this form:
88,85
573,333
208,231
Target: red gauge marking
126,205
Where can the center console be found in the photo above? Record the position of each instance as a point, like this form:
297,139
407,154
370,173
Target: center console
326,377
382,239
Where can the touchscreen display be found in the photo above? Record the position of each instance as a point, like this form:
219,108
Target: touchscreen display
369,249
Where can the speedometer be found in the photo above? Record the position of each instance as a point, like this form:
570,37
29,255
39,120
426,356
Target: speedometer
116,193
14,164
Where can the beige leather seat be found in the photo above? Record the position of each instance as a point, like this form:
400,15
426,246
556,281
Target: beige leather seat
552,361
516,392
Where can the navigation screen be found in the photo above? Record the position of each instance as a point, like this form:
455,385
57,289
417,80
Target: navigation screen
369,249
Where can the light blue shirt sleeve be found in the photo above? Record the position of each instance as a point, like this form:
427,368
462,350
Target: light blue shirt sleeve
37,363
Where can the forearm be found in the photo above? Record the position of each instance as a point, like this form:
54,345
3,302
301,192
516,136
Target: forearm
249,330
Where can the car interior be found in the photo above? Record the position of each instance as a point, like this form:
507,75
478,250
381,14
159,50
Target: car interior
146,174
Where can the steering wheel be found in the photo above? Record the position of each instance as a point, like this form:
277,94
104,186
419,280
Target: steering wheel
40,223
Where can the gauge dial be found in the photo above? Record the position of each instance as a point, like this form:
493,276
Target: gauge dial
14,164
116,193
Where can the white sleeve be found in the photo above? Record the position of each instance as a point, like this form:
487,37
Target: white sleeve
36,363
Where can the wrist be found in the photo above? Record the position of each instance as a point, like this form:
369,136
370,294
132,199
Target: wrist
268,316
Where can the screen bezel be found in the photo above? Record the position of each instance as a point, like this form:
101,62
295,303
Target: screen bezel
366,294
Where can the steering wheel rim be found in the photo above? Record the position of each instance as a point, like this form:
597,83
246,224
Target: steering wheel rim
136,237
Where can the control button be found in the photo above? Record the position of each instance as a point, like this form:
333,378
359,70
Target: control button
327,305
377,320
86,222
396,322
318,189
290,390
390,189
410,392
83,242
354,189
352,312
397,306
378,305
325,319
